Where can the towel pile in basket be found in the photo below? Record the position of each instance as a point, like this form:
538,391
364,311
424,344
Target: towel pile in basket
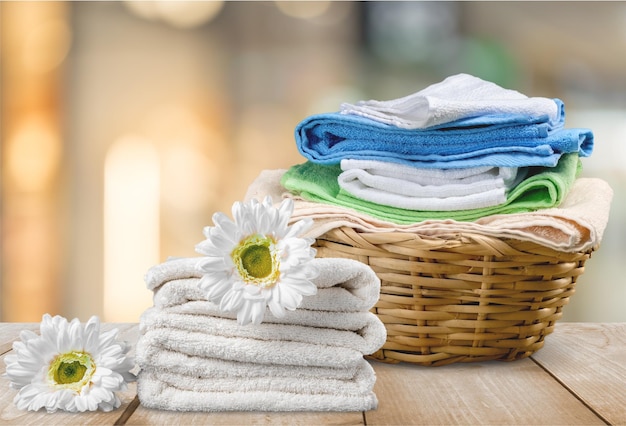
194,357
460,155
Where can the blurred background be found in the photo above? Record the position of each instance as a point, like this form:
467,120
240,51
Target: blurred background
126,125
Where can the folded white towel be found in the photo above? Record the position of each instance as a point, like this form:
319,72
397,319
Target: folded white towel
429,179
366,340
343,284
352,321
154,357
361,384
256,351
457,97
578,224
413,188
155,393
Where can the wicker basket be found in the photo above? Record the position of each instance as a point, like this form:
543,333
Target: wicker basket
463,297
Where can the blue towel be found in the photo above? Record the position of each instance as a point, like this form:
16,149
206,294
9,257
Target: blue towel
492,140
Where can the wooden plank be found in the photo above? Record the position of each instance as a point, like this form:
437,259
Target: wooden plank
590,360
518,392
148,416
10,415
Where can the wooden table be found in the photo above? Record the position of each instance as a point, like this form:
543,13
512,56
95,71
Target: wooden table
579,377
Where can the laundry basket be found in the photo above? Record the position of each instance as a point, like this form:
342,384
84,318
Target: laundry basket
461,297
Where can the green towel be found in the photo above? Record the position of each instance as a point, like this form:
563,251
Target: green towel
544,187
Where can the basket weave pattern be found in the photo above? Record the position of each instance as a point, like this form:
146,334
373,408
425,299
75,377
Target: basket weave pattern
462,297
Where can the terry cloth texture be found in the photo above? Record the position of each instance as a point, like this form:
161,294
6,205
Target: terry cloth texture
332,137
457,97
413,188
193,357
157,392
577,224
543,188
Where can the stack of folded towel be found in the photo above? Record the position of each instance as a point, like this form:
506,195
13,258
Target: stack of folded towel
462,155
194,357
462,149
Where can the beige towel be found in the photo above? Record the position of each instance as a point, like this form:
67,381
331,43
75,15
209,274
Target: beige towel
578,224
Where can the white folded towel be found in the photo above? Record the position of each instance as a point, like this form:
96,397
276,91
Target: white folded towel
457,97
176,362
578,224
367,339
415,188
343,284
194,357
280,352
363,321
361,384
500,176
156,393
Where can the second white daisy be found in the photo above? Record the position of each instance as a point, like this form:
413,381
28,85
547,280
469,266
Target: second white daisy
257,261
69,367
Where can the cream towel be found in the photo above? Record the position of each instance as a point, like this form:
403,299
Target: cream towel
281,352
155,393
366,340
414,188
457,97
362,383
578,224
179,363
343,284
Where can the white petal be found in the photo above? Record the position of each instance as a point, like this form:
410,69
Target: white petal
211,264
226,225
92,332
267,202
252,291
207,248
276,308
215,292
257,312
222,241
299,228
231,301
290,299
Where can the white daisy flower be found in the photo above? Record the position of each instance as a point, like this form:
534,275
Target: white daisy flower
68,367
257,261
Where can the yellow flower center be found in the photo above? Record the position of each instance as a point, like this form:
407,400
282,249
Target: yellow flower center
71,370
255,262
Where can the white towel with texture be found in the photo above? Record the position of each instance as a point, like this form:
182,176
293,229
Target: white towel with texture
367,339
361,383
343,284
578,224
155,392
155,357
352,321
256,351
414,188
457,97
